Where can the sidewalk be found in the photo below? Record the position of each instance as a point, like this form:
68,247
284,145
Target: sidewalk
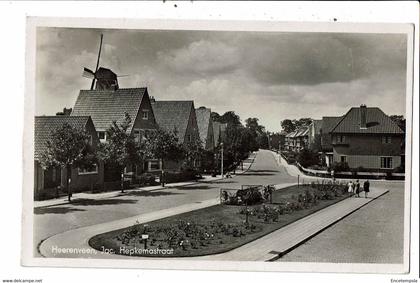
267,248
86,195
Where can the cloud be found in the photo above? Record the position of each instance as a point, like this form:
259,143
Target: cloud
202,57
271,76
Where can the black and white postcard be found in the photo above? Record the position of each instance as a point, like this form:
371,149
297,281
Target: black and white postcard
218,145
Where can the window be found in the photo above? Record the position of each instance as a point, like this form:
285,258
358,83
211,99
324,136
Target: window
145,114
386,162
340,139
92,170
139,135
102,136
154,165
386,139
343,159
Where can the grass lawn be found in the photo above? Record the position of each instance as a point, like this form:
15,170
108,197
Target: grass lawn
215,229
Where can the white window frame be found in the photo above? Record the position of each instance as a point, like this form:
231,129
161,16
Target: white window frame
384,163
345,159
149,165
85,172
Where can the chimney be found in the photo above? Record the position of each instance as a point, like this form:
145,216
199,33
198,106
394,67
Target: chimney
152,99
363,122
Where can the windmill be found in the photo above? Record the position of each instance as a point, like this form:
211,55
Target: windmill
87,73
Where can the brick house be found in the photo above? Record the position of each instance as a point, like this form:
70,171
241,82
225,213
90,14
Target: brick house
107,105
81,179
366,137
179,116
205,127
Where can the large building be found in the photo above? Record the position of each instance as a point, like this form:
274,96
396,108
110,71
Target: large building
105,106
366,137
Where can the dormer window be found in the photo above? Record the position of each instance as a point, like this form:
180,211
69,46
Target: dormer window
145,114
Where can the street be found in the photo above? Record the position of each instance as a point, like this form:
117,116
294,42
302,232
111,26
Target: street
381,221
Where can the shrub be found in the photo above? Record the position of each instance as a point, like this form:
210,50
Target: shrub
340,166
307,158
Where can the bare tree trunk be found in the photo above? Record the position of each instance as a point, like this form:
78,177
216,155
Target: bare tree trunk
122,180
162,176
68,175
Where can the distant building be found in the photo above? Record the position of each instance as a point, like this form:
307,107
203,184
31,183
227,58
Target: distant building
219,131
314,135
366,137
297,140
81,179
205,127
180,117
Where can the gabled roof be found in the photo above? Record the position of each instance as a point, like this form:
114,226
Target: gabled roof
377,123
328,123
46,125
203,121
218,131
302,132
291,134
173,115
106,106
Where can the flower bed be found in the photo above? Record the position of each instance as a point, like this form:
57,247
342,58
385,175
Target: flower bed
220,228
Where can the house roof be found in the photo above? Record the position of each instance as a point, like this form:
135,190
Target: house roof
291,134
328,123
173,115
377,123
46,125
218,129
203,121
106,106
302,132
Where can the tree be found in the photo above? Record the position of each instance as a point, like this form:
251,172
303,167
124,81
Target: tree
164,146
120,148
399,120
193,152
288,126
68,147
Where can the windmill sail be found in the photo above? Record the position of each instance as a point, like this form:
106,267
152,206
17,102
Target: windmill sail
87,73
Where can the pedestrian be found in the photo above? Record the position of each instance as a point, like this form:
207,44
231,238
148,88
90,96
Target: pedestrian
366,186
357,185
351,187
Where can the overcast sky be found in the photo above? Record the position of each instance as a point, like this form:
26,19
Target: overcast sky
271,76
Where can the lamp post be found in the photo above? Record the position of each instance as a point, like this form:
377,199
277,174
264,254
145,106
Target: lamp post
221,160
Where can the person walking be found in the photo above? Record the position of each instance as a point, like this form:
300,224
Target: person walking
366,186
351,187
357,185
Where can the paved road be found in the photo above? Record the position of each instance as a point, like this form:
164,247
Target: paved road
49,221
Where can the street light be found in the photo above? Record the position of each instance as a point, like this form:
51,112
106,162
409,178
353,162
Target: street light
221,159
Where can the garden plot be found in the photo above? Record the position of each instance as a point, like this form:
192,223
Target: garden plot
220,228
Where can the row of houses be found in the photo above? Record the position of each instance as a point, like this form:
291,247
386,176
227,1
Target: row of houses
96,109
363,137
